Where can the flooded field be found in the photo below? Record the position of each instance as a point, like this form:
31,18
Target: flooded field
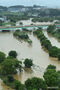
40,57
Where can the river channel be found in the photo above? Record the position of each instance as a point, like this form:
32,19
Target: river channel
40,57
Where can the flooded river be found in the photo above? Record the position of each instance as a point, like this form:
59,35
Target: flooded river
40,58
52,39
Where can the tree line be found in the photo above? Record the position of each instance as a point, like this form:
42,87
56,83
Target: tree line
52,50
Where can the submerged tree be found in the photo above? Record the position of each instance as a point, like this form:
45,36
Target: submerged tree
18,85
35,84
13,54
2,57
28,63
10,66
51,77
51,67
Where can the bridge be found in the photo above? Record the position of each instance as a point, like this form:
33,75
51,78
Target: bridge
26,26
18,27
57,25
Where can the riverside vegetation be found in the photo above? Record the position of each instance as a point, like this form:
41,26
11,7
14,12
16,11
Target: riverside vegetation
45,19
9,66
53,31
52,50
22,35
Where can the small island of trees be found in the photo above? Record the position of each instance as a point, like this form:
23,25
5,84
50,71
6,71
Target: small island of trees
22,35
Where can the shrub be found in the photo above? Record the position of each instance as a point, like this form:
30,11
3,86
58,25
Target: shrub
13,54
28,63
2,57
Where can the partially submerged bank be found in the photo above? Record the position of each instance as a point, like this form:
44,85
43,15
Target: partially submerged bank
53,31
22,35
31,84
52,50
10,65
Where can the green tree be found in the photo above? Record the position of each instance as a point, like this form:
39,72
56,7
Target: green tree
51,28
51,67
18,85
59,56
2,57
1,22
58,79
50,77
35,84
13,54
46,43
28,63
10,66
53,52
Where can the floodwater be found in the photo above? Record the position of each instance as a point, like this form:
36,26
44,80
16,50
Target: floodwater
40,57
53,40
29,22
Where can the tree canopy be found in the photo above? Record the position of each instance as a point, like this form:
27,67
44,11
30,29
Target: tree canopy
2,57
28,63
13,54
35,84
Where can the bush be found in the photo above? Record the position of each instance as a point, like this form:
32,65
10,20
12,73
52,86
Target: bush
28,63
2,57
51,67
54,51
51,28
13,54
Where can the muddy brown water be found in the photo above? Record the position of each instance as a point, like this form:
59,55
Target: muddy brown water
40,58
